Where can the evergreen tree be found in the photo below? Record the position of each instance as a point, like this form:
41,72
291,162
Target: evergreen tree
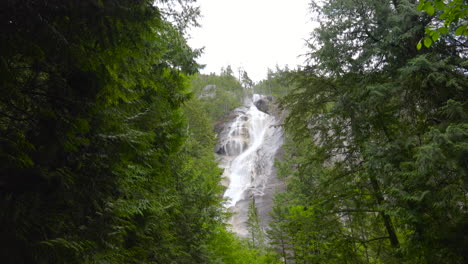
376,158
256,232
246,81
278,234
227,95
92,136
276,83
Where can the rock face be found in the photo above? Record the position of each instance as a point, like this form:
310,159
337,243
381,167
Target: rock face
265,104
208,91
246,149
234,134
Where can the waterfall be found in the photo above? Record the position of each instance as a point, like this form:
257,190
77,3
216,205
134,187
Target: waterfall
247,149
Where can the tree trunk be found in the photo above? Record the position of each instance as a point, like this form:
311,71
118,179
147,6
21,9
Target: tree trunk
386,218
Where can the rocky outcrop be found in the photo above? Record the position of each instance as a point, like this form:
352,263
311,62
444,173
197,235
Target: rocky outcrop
225,142
208,91
269,104
265,104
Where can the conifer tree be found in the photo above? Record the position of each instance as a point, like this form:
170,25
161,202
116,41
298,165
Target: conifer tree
256,232
370,126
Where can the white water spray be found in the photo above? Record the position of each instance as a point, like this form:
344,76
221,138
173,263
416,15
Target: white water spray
249,148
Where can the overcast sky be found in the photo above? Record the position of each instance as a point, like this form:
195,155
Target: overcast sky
252,34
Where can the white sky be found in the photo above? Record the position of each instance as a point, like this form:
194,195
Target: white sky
252,34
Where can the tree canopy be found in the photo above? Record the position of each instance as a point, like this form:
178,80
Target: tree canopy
453,14
106,137
104,159
376,155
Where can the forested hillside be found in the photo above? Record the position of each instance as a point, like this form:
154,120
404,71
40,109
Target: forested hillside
219,94
108,133
104,156
276,83
376,160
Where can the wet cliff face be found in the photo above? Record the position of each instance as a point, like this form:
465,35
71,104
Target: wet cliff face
247,147
265,104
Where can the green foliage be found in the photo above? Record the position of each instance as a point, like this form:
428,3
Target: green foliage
98,162
256,232
453,14
376,153
276,83
228,249
218,94
247,83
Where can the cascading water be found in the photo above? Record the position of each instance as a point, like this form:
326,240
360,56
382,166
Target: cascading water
248,147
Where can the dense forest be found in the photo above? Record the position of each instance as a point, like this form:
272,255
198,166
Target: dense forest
106,155
107,137
377,153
